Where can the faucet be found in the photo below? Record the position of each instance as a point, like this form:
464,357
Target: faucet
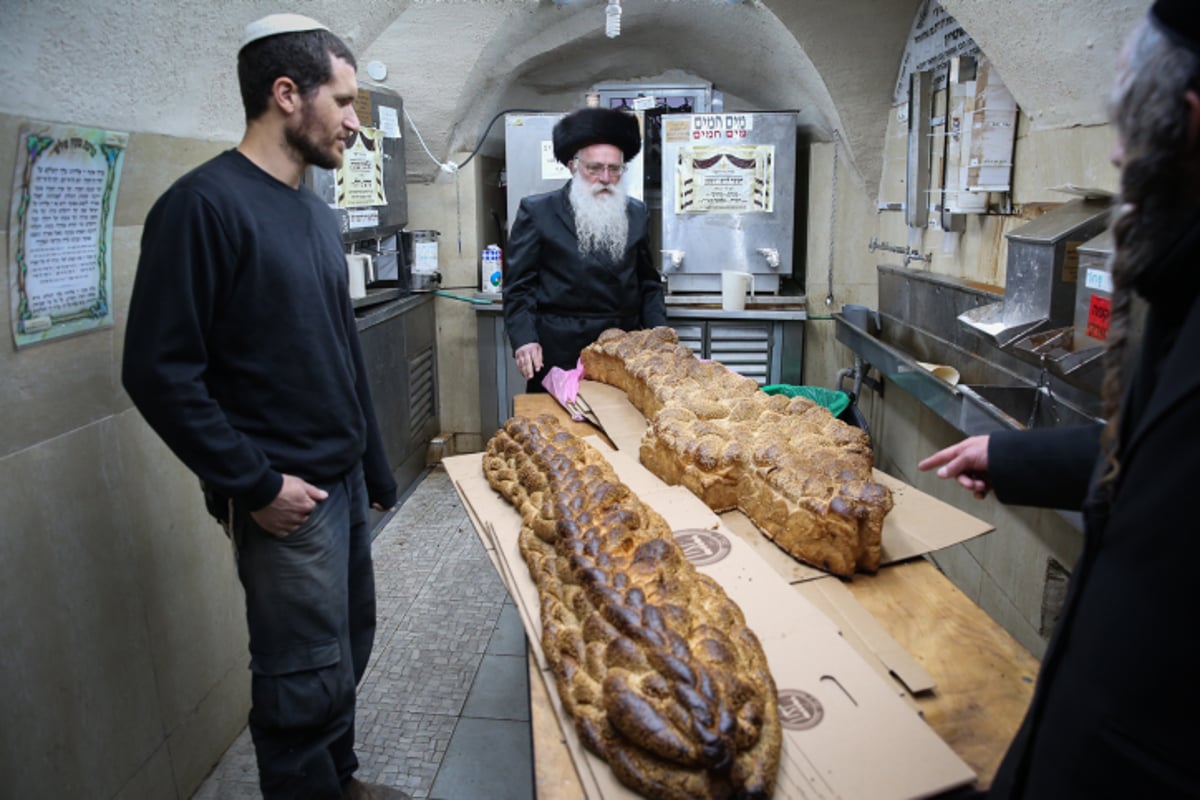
913,255
910,255
771,254
875,244
675,257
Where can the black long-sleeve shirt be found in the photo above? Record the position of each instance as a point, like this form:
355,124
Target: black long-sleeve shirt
241,349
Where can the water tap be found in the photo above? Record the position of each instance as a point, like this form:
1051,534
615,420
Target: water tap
771,254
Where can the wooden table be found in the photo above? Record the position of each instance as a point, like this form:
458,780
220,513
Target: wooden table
984,677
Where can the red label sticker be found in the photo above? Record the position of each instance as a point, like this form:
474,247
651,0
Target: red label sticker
1099,311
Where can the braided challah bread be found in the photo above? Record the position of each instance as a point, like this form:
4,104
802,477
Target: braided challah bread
652,660
802,476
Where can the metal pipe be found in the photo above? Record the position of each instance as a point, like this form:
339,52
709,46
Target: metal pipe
842,374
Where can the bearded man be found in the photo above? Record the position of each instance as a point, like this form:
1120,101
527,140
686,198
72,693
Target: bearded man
242,353
578,259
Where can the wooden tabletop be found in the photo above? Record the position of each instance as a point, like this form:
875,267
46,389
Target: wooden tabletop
984,678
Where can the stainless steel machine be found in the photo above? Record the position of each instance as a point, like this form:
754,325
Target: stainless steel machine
529,154
729,199
369,193
530,165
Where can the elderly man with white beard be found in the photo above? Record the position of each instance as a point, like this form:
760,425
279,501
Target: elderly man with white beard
579,259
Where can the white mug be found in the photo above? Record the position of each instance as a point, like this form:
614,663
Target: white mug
734,286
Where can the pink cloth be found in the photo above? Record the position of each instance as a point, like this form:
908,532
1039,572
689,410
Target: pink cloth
564,385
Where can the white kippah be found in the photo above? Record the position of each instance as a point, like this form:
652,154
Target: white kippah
274,24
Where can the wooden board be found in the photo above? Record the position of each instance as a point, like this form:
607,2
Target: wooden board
984,677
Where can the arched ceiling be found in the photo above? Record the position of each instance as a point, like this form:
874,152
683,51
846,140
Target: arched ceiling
835,61
547,55
168,68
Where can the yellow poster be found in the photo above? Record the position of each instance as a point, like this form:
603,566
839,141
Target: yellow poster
360,178
725,179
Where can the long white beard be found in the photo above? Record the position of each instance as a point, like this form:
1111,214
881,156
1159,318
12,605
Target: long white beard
600,219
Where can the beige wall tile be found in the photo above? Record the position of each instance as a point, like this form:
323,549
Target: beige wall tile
999,607
183,562
203,735
74,632
153,779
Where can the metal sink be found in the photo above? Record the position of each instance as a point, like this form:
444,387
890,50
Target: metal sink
1017,407
989,397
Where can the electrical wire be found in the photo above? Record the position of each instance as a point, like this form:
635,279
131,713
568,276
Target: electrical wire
450,166
499,114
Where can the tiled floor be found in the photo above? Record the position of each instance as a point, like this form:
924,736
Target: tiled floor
443,710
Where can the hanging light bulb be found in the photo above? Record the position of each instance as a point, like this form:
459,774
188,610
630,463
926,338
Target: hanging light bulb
612,19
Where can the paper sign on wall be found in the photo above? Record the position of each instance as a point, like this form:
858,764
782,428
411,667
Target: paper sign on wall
726,179
60,230
552,168
360,178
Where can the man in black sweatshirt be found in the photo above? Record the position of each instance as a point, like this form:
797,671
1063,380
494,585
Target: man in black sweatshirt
242,353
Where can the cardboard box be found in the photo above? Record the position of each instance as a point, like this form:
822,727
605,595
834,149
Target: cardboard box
848,732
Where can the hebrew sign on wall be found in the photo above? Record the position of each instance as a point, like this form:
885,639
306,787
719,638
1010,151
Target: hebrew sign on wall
60,230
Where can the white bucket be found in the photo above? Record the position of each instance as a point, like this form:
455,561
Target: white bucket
734,286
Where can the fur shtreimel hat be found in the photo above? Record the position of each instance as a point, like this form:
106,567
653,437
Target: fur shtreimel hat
1180,21
589,126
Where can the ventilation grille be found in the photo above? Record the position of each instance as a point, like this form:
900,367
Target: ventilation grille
421,406
745,349
691,336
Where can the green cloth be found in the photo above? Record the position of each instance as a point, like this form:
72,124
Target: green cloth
835,401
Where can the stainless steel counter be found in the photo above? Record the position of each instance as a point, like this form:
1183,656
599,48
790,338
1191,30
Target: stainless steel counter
383,304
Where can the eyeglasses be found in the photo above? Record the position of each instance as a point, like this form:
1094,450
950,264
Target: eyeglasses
595,169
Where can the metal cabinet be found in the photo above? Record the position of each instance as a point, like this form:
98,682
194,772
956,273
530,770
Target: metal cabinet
399,343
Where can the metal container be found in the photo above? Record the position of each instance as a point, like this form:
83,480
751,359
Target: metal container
385,115
729,189
1093,292
1043,258
421,254
1041,273
529,162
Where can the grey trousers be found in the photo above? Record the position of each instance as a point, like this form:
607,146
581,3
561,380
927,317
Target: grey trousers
310,607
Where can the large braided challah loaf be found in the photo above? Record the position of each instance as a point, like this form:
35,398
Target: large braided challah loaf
652,660
801,475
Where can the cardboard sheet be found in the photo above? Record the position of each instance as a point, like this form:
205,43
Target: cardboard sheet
848,732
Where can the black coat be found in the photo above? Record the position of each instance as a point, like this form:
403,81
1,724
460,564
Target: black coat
563,300
1116,712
